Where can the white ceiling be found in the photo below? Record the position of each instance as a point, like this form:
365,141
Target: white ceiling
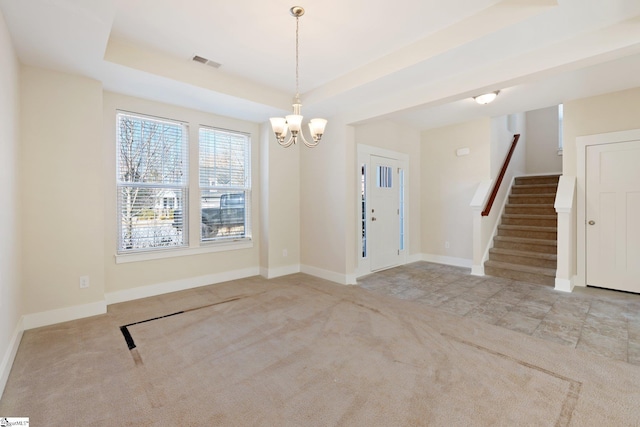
413,61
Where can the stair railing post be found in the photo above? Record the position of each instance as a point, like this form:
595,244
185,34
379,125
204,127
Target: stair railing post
565,208
479,199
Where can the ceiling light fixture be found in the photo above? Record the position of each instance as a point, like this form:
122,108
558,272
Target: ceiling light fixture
293,122
486,98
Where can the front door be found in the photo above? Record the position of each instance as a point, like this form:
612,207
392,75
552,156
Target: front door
613,216
384,209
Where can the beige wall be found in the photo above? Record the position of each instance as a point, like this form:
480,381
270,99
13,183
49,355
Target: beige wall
11,305
449,183
599,114
327,214
62,189
280,205
395,137
503,129
131,275
542,141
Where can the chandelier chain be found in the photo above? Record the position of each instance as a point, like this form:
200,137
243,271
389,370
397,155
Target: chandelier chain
297,55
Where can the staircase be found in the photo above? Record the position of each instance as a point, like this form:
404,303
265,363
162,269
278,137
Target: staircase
525,246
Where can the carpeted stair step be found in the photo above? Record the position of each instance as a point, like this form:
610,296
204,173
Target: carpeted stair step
534,199
530,209
525,219
525,244
528,231
524,273
535,189
534,259
532,180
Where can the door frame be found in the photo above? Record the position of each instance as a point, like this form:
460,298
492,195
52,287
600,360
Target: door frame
582,143
364,153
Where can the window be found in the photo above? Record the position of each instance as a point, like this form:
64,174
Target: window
401,207
225,185
560,128
152,183
384,177
363,201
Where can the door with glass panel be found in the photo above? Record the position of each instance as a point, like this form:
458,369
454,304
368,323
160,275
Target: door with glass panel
383,212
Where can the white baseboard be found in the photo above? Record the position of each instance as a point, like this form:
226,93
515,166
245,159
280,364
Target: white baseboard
343,279
564,285
271,273
447,260
178,285
414,258
477,270
10,355
51,317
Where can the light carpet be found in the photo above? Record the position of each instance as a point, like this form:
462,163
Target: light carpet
300,351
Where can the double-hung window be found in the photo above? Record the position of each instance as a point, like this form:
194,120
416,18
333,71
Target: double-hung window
225,185
152,183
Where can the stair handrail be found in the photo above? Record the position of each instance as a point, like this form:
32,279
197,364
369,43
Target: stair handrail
503,171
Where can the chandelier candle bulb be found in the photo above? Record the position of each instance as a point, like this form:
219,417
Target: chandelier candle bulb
294,121
316,126
279,125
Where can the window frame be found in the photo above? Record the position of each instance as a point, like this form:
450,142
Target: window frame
246,189
192,196
181,186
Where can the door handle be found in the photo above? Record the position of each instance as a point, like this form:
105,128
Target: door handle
592,222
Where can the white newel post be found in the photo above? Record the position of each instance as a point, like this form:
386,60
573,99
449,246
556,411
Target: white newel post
565,206
477,205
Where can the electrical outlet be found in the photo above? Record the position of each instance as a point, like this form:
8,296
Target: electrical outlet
447,245
84,282
285,253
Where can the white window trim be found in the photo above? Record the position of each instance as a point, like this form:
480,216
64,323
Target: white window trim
247,189
171,253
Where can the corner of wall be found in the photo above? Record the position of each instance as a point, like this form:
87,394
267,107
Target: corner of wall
11,293
10,355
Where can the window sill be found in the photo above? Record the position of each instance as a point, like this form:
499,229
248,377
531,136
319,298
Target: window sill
172,253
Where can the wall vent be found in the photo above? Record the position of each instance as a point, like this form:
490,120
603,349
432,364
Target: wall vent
206,61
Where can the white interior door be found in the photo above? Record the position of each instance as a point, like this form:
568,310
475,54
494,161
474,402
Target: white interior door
384,208
613,216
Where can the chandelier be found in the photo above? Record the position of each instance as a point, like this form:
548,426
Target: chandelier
293,122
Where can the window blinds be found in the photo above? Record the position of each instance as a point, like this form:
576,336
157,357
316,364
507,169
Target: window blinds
152,182
225,184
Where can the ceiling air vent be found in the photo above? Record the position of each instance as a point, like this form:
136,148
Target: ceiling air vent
206,61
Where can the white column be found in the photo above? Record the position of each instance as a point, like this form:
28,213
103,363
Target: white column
565,206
